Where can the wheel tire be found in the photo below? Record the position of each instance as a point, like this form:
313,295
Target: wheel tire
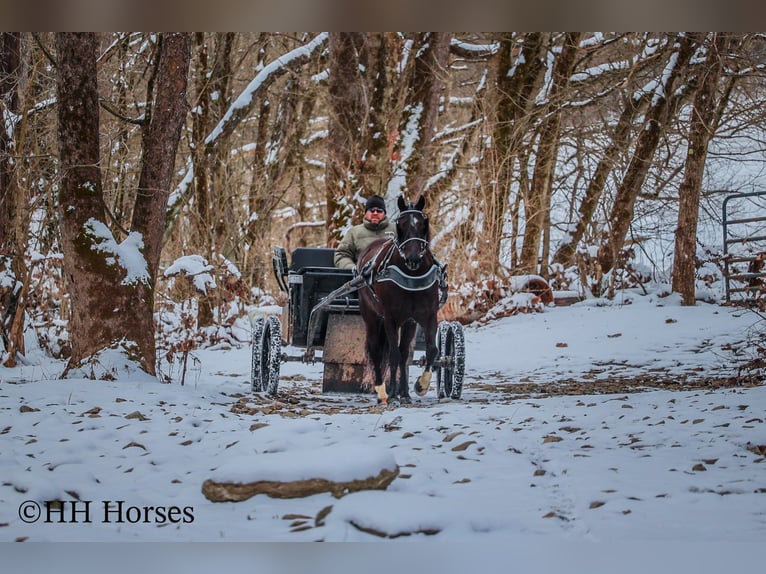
441,336
453,346
271,355
256,380
458,360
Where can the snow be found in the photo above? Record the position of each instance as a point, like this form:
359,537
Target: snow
296,463
245,98
196,267
127,253
576,430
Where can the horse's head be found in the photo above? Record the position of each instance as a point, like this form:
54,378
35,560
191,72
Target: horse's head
412,232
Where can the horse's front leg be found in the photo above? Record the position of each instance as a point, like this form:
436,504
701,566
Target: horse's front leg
405,343
375,344
394,360
424,380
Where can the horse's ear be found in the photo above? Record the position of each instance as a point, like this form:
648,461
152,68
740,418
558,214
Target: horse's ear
421,203
401,203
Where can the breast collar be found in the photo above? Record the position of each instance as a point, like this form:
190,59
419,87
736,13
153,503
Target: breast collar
409,282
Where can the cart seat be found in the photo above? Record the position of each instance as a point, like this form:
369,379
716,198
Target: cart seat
312,257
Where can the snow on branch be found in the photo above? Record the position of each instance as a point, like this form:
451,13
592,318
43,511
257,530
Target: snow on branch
267,76
243,104
469,50
196,268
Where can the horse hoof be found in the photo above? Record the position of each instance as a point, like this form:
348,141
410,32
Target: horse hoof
406,401
422,384
382,394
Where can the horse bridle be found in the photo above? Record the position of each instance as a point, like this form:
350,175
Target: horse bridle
400,246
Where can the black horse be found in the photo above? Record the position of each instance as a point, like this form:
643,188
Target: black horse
402,291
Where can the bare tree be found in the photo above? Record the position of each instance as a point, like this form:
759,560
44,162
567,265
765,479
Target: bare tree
701,131
418,124
13,206
350,100
537,202
517,73
110,302
655,122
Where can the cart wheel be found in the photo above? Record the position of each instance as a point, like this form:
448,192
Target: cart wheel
256,381
441,336
271,355
453,349
267,354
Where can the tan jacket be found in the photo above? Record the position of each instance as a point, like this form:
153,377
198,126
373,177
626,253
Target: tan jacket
358,238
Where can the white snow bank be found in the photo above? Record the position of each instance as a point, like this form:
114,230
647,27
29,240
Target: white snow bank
339,463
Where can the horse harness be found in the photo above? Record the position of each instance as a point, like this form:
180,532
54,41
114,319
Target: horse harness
373,273
387,271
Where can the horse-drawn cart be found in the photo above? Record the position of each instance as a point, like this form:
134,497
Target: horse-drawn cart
322,313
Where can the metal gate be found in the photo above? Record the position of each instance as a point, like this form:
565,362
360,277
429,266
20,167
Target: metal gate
744,246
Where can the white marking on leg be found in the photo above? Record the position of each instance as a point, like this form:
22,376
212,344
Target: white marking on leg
382,394
424,381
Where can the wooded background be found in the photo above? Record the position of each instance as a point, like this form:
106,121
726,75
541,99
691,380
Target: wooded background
556,154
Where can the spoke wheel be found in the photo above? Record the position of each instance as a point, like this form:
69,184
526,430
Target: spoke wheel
453,349
256,380
266,355
271,355
441,335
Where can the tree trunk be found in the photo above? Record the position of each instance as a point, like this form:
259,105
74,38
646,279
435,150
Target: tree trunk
161,132
618,145
537,204
349,111
14,221
418,123
109,303
656,119
96,294
701,130
516,76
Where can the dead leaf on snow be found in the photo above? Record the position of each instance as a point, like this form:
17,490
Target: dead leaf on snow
321,515
28,409
134,444
450,437
136,415
293,516
463,446
552,438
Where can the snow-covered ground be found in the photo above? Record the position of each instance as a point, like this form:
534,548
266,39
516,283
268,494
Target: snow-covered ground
595,425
